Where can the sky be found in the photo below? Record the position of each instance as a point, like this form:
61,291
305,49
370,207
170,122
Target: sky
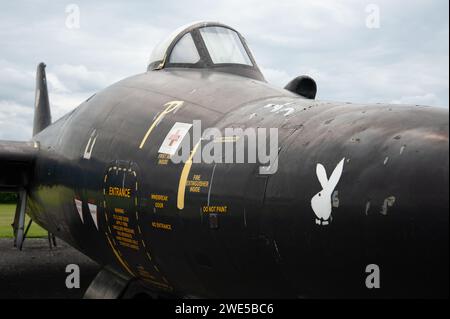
357,51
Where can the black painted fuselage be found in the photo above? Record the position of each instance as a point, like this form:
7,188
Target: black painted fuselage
101,185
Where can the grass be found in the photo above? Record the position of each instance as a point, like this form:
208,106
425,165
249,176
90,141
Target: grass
7,212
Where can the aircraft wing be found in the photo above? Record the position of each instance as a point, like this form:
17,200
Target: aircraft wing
16,163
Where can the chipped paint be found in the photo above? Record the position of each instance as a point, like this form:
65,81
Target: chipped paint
367,208
388,202
402,149
245,218
335,199
386,160
277,251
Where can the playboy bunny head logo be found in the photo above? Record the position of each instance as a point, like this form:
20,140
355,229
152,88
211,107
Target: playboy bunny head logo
321,202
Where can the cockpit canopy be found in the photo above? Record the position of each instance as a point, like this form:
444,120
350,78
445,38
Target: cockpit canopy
205,45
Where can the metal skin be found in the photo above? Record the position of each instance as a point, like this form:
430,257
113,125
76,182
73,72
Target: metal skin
42,117
267,243
389,208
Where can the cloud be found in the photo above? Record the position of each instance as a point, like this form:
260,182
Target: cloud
15,121
406,60
78,78
68,86
427,99
277,77
64,103
55,85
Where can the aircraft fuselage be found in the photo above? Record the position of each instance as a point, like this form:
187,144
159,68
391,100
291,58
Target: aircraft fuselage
101,184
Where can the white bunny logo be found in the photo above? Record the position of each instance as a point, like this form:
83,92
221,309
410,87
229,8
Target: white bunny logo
321,202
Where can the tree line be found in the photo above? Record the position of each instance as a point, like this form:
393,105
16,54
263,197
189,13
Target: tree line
8,197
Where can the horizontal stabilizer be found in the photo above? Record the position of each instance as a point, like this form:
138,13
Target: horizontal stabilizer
16,162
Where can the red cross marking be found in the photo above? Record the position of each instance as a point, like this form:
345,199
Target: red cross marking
174,138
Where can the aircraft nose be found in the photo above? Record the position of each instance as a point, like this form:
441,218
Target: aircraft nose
424,166
403,157
415,176
392,198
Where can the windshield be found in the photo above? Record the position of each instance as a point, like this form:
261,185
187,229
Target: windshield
185,51
224,46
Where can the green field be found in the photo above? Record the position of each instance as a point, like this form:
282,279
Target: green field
6,218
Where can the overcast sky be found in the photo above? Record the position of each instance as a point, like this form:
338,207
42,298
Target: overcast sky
402,57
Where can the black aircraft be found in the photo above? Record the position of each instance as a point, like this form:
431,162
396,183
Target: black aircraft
356,207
